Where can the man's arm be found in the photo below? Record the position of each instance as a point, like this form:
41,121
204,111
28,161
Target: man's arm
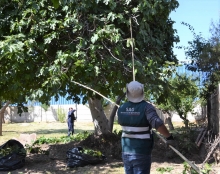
156,122
163,130
169,137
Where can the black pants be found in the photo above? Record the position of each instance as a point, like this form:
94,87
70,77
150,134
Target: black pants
70,124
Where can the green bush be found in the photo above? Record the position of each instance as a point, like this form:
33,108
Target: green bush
64,139
61,115
186,140
34,148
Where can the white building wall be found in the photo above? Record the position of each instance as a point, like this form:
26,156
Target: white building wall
38,114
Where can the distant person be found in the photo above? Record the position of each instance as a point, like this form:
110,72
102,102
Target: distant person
137,118
70,121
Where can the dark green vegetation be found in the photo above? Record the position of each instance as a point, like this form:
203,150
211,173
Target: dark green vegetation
85,41
9,149
204,55
44,50
183,96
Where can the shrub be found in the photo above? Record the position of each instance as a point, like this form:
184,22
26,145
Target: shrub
61,115
186,140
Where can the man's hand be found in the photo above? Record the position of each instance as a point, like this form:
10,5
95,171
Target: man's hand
170,141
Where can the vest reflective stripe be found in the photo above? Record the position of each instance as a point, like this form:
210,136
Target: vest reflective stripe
135,132
139,136
134,129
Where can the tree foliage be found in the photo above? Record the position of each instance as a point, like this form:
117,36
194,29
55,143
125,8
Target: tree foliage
204,55
183,96
87,41
44,49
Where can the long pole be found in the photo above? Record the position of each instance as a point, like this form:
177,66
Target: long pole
190,163
178,153
76,109
132,51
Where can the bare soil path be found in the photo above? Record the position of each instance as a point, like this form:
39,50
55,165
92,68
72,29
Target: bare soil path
55,162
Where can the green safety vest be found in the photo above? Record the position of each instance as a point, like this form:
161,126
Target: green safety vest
136,130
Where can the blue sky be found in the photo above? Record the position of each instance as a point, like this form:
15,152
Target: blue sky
197,13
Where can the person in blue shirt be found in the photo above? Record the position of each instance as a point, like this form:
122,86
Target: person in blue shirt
137,118
70,121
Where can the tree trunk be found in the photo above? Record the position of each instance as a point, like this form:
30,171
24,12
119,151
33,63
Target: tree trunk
113,113
185,121
99,118
209,114
169,121
3,119
2,111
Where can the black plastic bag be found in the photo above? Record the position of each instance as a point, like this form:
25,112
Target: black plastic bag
76,158
12,155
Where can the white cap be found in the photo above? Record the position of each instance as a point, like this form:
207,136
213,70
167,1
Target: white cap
135,92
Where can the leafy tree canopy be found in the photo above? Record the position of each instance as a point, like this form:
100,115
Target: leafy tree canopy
183,96
204,55
43,50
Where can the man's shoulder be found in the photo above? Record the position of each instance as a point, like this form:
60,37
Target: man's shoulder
150,106
148,103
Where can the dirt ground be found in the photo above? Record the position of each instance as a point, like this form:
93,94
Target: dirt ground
55,162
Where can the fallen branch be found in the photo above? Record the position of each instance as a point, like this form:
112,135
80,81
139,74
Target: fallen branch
199,136
202,137
217,140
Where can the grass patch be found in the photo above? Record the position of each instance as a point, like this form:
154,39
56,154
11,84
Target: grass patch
43,129
54,132
48,130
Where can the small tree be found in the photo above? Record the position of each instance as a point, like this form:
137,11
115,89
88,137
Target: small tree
2,110
165,107
204,55
61,115
182,97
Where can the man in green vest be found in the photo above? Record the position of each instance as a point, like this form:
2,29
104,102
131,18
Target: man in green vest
137,118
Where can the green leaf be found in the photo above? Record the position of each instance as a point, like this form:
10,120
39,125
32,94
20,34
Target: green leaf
94,38
55,3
